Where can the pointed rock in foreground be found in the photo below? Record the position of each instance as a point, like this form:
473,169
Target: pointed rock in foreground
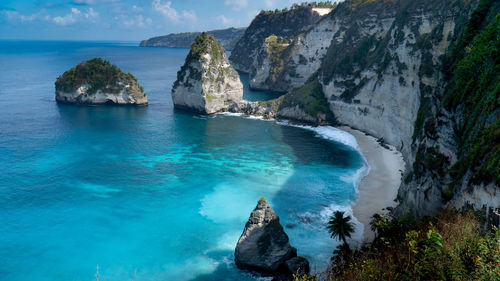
264,246
207,83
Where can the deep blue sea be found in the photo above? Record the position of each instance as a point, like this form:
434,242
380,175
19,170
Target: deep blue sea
150,190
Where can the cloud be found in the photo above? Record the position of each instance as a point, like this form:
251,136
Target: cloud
271,3
189,15
236,4
225,21
74,16
138,21
137,9
14,15
166,10
93,2
170,13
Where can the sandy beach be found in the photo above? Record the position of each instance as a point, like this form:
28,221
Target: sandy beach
379,188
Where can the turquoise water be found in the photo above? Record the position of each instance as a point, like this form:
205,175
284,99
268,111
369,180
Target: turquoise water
148,189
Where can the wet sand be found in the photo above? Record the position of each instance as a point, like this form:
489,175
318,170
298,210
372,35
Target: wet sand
379,188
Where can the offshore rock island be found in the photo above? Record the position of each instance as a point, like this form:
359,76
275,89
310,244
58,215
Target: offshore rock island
97,81
207,83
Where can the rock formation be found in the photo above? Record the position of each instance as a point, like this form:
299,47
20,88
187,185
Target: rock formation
264,247
385,67
227,38
97,81
206,83
285,23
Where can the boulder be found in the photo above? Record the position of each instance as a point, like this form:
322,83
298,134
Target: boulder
264,246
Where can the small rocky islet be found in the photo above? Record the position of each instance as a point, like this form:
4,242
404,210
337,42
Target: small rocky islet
264,247
207,83
97,81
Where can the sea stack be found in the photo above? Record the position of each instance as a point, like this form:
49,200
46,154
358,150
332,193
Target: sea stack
264,246
207,83
97,81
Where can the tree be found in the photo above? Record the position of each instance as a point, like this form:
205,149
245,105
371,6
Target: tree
340,227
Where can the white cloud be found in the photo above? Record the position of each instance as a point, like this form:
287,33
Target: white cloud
225,21
138,21
74,16
15,15
137,9
189,15
69,18
166,10
93,2
170,13
91,14
236,4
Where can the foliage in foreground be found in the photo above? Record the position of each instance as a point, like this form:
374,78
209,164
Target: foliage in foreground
449,246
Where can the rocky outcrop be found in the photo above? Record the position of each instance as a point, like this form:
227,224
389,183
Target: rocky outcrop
268,62
226,37
97,81
264,247
284,23
385,67
207,83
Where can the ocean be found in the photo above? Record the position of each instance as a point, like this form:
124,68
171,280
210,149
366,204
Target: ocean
150,193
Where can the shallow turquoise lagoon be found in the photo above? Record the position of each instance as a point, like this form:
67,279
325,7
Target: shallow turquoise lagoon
149,189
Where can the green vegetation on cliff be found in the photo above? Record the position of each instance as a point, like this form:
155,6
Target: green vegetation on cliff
275,47
310,98
472,95
98,74
203,43
474,91
286,24
450,246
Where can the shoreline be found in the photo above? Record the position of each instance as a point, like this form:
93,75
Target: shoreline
379,188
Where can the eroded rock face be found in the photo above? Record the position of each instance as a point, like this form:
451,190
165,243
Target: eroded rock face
286,24
264,246
97,81
206,83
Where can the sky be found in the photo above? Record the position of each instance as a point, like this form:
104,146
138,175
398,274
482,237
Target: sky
124,20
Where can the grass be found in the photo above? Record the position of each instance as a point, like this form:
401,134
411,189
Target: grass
449,246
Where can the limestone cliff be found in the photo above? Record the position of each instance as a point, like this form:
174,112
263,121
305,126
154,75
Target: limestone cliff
206,83
97,81
386,68
284,23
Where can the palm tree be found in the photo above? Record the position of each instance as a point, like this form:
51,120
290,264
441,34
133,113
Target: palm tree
340,227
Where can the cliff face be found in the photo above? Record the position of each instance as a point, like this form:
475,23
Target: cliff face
286,24
387,68
226,37
96,81
457,132
206,83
